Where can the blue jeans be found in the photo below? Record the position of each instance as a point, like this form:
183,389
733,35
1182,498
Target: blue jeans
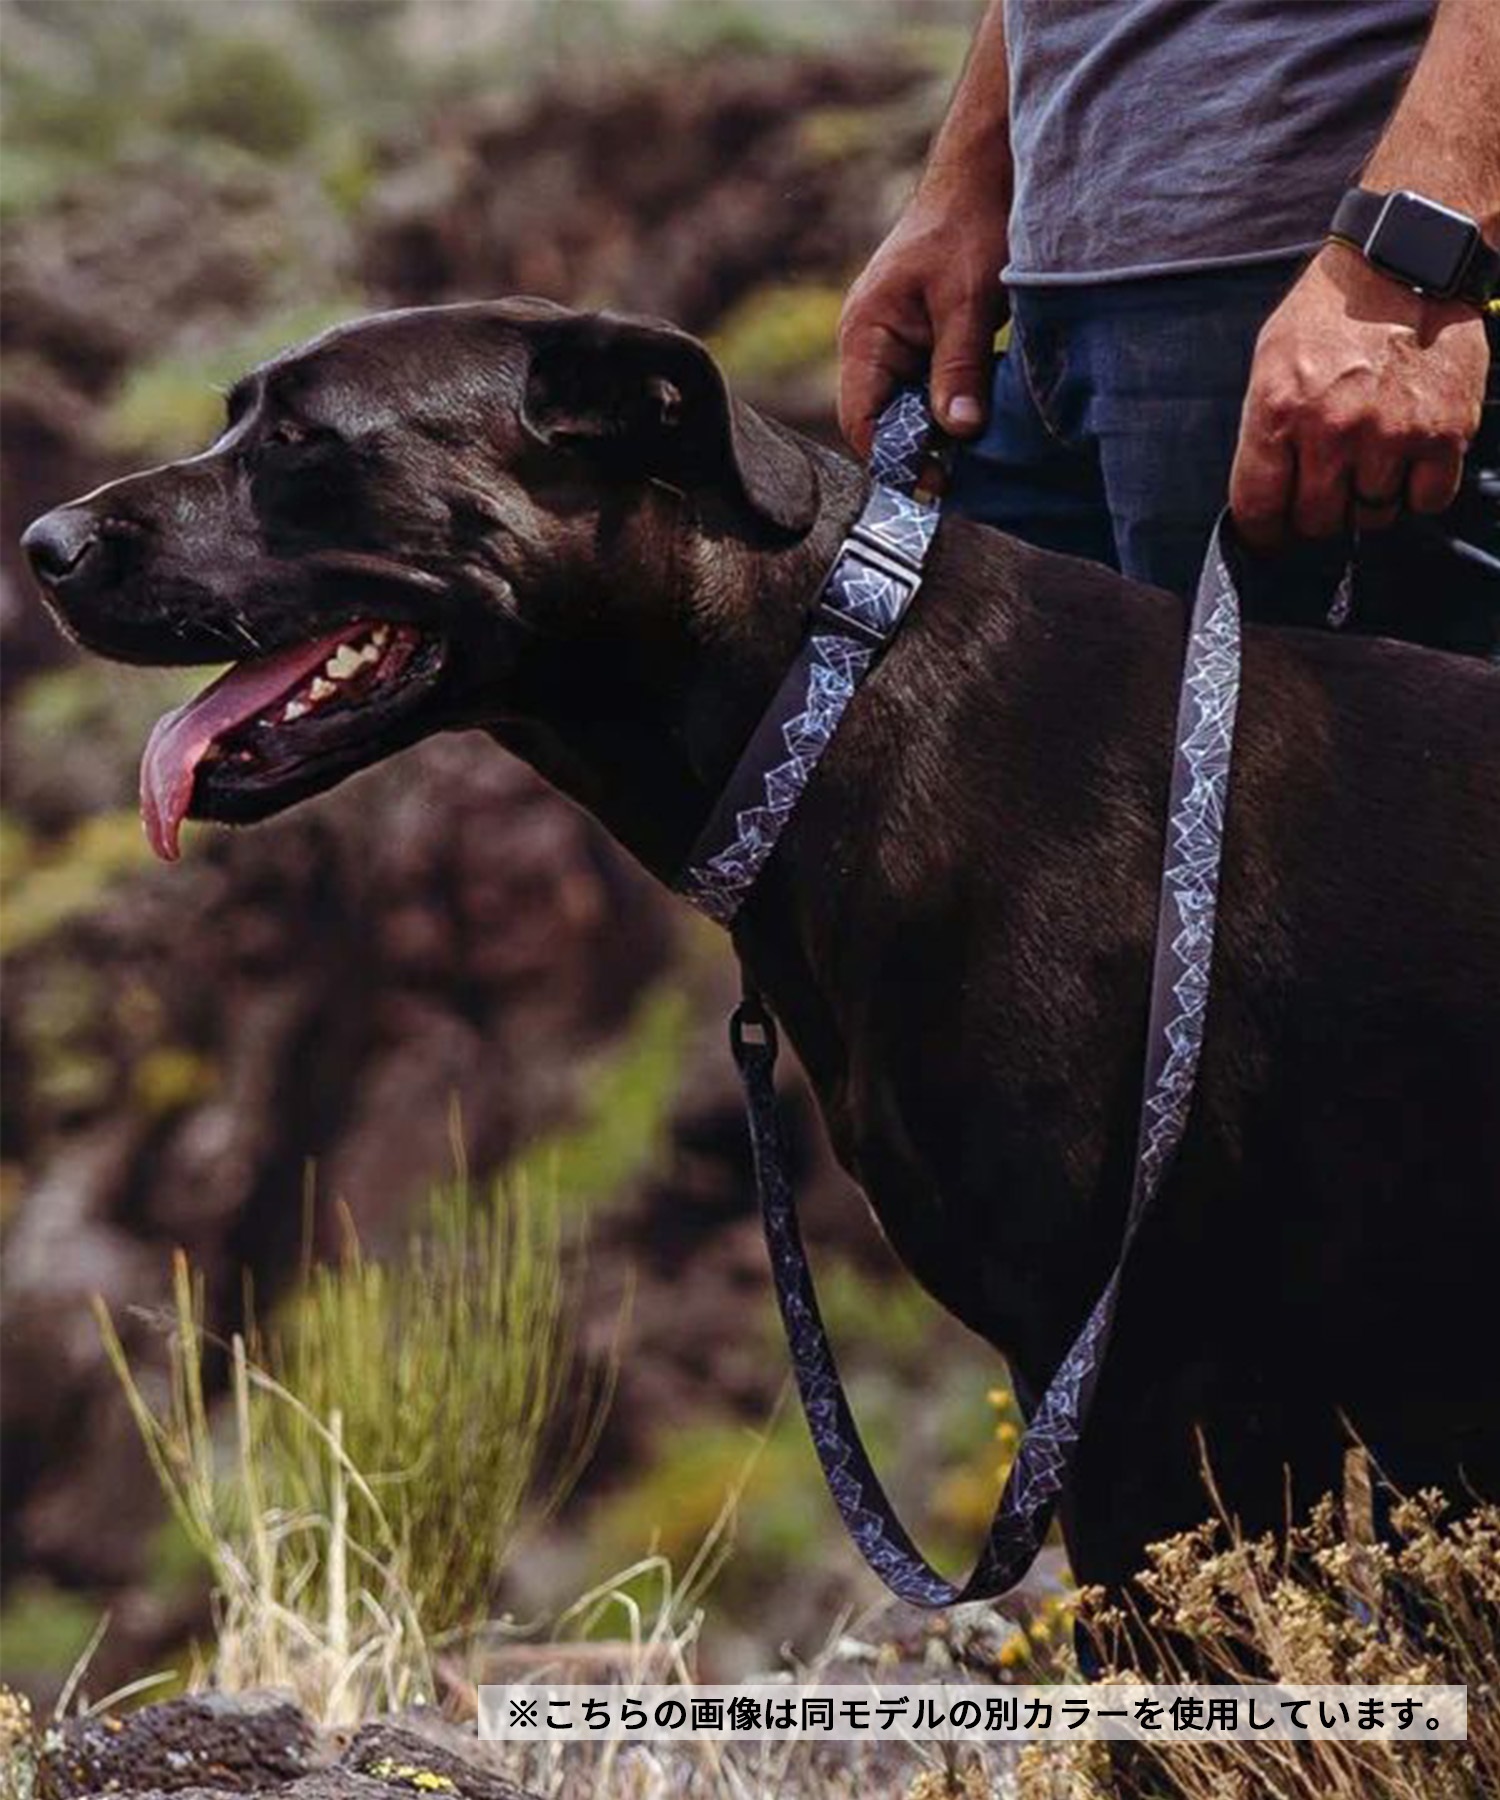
1114,417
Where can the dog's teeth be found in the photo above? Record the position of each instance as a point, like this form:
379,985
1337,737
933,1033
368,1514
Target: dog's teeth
294,709
347,661
321,690
379,635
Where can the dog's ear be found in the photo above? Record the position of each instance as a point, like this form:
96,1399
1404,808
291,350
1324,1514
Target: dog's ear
651,400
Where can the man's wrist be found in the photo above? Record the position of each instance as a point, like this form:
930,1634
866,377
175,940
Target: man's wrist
1394,302
953,205
973,186
1430,248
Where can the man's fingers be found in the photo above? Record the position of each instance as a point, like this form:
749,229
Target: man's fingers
1325,490
1379,485
1432,485
1260,487
873,363
961,361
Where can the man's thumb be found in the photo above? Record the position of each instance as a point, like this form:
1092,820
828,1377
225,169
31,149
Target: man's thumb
961,359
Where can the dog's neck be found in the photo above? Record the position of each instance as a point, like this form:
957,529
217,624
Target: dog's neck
642,721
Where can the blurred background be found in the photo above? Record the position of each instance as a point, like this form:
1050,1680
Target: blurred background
433,1021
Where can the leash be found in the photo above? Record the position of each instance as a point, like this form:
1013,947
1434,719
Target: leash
861,605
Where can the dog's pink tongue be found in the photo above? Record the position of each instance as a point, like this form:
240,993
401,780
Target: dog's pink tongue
182,737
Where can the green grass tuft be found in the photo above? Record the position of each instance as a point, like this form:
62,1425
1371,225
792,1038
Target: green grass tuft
388,1445
447,1369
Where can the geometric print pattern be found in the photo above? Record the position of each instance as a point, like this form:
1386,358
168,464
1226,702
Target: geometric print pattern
875,594
868,593
1190,877
828,670
897,524
1179,998
873,580
902,434
1179,1006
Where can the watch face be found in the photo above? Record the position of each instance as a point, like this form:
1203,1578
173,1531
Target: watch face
1422,243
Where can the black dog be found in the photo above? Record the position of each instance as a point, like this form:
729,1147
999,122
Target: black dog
562,530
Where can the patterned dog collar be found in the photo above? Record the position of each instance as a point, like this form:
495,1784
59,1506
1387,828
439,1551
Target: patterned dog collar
863,599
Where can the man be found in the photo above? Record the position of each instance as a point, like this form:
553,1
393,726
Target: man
1152,176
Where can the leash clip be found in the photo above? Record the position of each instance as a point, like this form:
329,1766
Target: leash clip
752,1032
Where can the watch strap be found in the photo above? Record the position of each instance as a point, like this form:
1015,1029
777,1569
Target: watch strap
1357,218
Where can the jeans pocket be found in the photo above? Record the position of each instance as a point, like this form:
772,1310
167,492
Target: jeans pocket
1041,361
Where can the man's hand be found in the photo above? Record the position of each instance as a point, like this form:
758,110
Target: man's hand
931,294
1363,398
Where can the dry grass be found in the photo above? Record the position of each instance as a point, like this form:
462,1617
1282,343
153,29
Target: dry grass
17,1747
1324,1604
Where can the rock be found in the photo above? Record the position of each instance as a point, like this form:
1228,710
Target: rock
47,452
241,1744
209,1746
414,1761
332,1784
170,256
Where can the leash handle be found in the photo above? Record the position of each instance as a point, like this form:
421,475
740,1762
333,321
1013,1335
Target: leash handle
1182,960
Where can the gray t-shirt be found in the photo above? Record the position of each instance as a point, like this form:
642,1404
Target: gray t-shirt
1159,136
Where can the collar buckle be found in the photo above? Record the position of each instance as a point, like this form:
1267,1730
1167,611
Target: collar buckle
867,591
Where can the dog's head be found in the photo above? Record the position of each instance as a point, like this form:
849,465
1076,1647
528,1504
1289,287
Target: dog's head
422,520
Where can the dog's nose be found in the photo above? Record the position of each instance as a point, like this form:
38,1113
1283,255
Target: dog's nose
69,545
59,543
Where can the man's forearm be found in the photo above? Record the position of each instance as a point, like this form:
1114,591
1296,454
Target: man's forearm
929,301
1443,140
969,161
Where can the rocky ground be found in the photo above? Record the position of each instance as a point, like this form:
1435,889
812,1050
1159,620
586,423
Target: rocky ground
262,1744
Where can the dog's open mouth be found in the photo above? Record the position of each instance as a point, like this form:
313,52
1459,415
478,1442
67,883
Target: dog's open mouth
273,728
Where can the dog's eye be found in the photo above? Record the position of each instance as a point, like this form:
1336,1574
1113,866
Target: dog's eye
287,442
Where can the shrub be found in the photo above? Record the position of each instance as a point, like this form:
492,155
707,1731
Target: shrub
447,1370
779,331
1324,1604
387,1445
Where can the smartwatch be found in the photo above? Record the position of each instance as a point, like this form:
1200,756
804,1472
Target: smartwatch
1426,247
